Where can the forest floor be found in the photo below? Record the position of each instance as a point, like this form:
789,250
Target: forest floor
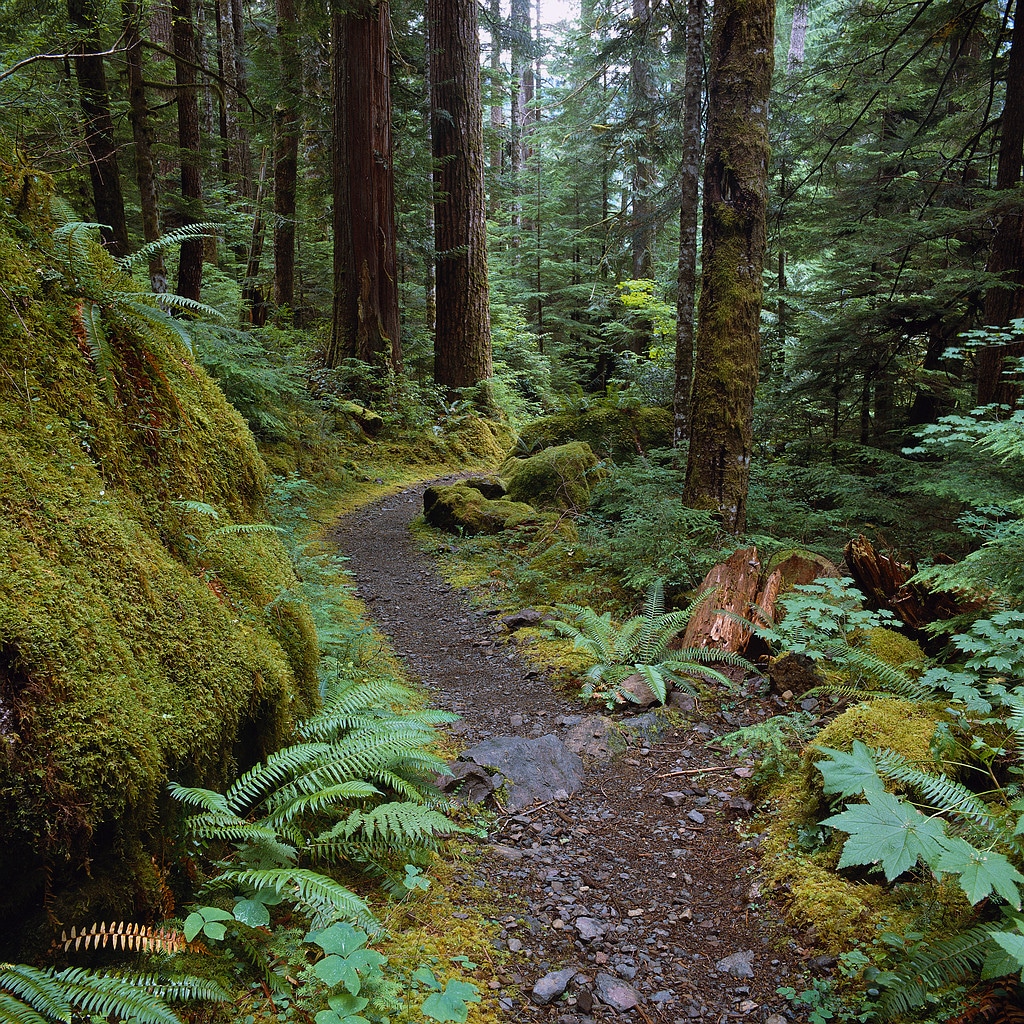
687,930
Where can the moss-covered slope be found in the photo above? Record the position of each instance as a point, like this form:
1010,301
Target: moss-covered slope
136,643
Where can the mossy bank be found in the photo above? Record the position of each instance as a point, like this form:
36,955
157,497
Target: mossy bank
140,640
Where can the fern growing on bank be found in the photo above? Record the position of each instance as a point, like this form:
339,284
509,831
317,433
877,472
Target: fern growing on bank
358,791
31,995
641,646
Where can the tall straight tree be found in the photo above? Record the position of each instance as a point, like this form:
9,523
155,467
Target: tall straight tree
365,321
186,60
689,199
1005,302
286,153
108,200
732,255
462,345
142,136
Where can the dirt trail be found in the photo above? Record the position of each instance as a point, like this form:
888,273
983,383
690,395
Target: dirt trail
672,889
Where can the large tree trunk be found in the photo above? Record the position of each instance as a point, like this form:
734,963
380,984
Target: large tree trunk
365,322
1006,302
644,174
104,174
689,188
797,35
190,263
286,155
728,319
139,115
462,348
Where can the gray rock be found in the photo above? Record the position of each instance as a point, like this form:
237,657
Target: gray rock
648,728
739,964
509,853
615,993
468,783
596,736
536,769
589,928
551,986
695,816
674,798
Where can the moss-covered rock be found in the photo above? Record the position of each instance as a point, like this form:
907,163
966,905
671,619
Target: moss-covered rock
136,644
556,478
491,486
459,508
612,432
353,416
895,649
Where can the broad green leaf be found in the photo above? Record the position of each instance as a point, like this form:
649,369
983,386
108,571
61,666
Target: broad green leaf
849,774
890,832
252,912
1013,944
345,1003
333,970
981,872
1001,962
214,930
193,926
450,1005
341,938
425,976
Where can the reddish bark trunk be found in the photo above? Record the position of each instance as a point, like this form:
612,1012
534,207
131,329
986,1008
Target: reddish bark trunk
286,156
190,263
462,348
365,323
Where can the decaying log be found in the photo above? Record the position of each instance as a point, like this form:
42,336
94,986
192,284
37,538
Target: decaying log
885,583
746,588
735,582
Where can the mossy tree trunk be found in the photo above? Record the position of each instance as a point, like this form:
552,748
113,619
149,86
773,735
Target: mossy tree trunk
689,190
733,245
462,346
108,200
365,322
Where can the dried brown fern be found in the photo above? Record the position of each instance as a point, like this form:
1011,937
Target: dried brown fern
128,935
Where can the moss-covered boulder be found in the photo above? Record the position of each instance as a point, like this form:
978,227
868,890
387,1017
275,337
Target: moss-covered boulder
611,432
353,416
556,478
459,508
491,486
140,640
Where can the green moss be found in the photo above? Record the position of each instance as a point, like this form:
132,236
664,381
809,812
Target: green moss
558,478
612,432
459,508
894,648
130,652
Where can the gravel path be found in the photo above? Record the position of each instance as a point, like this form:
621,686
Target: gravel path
632,894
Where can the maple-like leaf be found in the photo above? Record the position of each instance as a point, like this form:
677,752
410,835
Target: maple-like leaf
849,774
890,832
981,872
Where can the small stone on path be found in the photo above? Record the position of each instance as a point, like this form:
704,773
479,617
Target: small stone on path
551,986
739,964
615,993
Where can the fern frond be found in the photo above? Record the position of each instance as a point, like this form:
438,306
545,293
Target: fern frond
257,783
109,995
199,507
938,966
311,803
891,678
944,794
151,316
233,529
126,935
399,823
183,234
99,346
193,796
324,899
39,997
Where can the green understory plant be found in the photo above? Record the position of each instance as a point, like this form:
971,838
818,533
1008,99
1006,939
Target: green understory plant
641,646
33,995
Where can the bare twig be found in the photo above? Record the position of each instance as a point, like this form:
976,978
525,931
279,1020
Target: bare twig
115,49
697,771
